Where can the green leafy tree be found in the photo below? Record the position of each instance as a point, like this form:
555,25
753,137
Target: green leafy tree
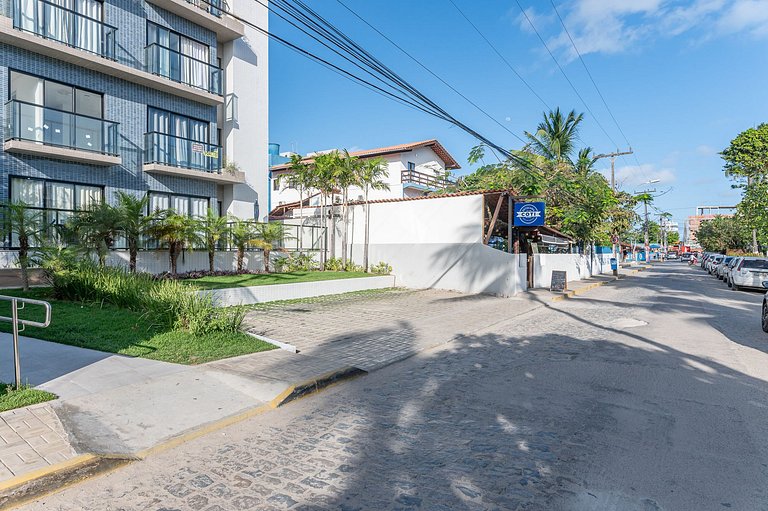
268,237
134,222
370,176
243,233
325,181
24,227
752,211
176,232
723,233
213,228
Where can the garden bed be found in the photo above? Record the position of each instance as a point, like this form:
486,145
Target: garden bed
267,279
113,329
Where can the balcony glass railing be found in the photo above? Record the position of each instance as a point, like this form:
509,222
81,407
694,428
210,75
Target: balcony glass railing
35,123
58,23
183,69
215,7
182,152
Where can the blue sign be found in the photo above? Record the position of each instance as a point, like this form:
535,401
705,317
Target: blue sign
614,266
529,214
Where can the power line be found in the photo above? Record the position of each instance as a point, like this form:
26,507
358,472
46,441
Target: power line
562,71
417,61
599,93
502,57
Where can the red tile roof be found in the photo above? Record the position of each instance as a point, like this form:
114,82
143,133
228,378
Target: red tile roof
437,147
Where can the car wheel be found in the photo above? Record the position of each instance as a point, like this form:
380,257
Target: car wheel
730,284
765,318
735,287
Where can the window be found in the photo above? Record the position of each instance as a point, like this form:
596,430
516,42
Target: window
411,166
181,204
59,200
57,114
276,184
180,141
177,57
76,23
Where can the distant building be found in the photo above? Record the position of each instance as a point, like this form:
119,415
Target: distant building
703,213
414,169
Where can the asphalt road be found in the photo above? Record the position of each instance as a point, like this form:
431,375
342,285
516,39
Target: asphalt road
646,394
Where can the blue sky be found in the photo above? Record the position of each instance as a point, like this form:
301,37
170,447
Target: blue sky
681,77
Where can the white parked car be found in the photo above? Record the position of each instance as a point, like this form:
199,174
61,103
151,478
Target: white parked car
721,269
729,269
750,273
713,261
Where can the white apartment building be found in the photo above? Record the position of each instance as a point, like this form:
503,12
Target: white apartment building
414,170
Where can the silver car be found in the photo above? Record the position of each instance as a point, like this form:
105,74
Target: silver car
750,273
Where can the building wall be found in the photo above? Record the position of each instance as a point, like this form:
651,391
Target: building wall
576,266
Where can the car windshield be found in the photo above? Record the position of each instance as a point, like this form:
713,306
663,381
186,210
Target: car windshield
756,264
728,260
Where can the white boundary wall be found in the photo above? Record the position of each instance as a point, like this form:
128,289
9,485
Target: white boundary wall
577,267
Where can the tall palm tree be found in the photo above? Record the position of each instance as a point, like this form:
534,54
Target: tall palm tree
555,136
176,232
301,177
242,232
98,228
134,222
346,175
370,176
585,162
325,182
268,237
23,225
213,228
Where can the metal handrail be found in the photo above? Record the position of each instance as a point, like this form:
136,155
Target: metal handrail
15,322
422,178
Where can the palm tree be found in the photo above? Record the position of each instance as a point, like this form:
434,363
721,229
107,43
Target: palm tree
268,238
585,162
345,176
176,232
325,182
212,229
134,222
555,136
242,232
370,176
98,228
25,225
301,177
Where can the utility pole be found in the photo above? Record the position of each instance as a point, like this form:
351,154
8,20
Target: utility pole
613,156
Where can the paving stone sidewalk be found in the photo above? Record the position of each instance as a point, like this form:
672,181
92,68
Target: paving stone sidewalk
31,438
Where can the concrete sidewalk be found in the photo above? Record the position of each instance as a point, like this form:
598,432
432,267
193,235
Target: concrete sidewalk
120,407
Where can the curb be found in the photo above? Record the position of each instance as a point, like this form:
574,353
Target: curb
37,484
589,287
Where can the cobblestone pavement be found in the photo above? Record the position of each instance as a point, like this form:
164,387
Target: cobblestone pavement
646,394
31,438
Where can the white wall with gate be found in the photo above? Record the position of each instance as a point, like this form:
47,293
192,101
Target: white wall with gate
576,266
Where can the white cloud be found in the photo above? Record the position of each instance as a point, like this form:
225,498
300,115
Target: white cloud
706,150
633,176
611,27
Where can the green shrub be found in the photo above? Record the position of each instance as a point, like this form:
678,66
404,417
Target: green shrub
381,268
167,302
296,262
334,264
352,267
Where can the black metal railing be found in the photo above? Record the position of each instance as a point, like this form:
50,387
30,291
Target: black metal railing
215,7
49,126
183,68
182,152
424,179
58,23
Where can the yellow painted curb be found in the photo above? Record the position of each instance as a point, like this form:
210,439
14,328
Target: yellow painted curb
46,471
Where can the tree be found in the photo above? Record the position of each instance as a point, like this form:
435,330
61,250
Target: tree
268,237
345,175
752,211
212,229
243,233
98,228
176,232
555,136
302,177
24,226
325,182
370,176
133,221
722,233
746,158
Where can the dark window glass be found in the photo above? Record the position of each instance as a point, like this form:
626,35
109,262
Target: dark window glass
756,264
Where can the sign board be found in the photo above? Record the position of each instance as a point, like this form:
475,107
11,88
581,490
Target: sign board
559,281
197,148
529,214
614,265
614,239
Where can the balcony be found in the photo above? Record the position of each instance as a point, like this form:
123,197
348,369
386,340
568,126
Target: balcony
177,156
88,57
183,69
423,181
39,131
211,14
71,28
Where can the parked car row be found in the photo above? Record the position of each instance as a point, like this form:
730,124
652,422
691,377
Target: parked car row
737,271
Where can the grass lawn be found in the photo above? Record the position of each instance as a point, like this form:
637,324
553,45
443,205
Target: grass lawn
115,330
265,279
11,398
